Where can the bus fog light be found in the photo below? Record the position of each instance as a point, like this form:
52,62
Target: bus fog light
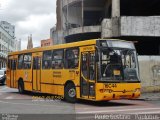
137,90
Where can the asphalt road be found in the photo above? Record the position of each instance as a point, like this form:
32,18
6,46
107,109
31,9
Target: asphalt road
26,106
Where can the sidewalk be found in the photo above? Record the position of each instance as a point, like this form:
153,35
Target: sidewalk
150,96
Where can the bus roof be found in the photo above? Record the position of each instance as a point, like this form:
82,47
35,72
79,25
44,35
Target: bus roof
61,46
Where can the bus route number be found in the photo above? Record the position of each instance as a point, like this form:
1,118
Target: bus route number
110,85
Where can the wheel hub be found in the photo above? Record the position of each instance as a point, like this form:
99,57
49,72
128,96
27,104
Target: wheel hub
72,92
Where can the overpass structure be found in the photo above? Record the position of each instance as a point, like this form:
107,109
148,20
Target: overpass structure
133,20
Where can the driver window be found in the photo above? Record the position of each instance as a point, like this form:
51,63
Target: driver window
133,61
130,61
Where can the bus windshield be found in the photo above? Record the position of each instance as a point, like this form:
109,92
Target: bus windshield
118,64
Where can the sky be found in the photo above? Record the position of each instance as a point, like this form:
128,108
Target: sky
34,17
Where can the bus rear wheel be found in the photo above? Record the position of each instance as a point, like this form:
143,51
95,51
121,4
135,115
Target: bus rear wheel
21,87
70,93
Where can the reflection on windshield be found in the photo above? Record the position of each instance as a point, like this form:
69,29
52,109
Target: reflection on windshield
118,64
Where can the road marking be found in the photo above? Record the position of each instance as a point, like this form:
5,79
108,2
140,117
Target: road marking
10,97
105,111
34,104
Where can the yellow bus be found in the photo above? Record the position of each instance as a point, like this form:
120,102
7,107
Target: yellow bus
97,70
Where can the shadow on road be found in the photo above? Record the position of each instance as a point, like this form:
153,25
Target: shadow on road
103,103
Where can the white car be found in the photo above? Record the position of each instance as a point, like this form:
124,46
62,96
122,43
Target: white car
2,76
3,69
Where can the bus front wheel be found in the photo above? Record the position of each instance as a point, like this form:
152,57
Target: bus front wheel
21,87
70,93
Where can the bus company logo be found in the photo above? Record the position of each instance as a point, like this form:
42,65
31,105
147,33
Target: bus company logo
77,72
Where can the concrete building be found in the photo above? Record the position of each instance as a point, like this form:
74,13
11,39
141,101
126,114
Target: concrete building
8,27
53,35
52,30
7,44
47,42
133,20
30,42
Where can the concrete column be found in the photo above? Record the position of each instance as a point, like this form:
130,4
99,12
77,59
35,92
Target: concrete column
115,8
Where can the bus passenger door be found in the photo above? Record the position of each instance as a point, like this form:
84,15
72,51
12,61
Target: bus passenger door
88,75
13,63
36,73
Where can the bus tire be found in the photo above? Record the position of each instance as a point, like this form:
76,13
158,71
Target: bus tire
21,87
70,93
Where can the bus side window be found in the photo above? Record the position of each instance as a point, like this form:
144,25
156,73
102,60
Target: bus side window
57,59
20,61
47,57
27,61
72,58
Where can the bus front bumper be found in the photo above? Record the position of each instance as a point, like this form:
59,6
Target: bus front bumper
122,91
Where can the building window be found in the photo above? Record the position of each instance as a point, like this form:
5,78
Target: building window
72,58
57,59
27,61
47,57
20,61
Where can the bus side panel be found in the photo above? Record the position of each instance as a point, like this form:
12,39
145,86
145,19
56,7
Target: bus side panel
27,78
61,90
48,88
59,76
19,75
78,92
47,82
46,76
8,79
28,86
